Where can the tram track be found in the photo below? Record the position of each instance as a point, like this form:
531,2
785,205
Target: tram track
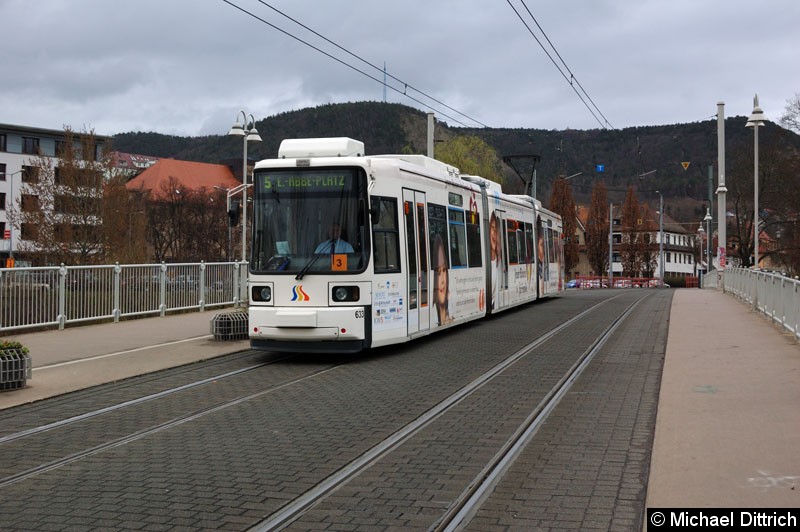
459,511
300,432
55,410
133,402
73,422
151,430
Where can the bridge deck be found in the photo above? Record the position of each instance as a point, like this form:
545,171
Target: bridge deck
728,422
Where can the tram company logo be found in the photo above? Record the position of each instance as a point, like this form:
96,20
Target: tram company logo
298,294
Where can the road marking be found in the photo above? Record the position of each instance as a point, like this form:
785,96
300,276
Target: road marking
118,353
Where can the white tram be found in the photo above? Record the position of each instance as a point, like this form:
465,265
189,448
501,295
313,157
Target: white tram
351,251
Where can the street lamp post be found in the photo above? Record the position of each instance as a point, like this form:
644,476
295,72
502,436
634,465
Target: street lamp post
661,236
722,191
755,121
227,192
707,220
248,135
11,227
701,233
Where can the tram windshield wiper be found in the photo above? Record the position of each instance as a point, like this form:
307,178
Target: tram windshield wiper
308,265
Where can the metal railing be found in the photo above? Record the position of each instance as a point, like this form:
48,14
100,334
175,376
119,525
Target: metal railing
773,294
709,279
57,296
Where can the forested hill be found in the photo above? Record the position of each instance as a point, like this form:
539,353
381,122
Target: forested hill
395,128
384,128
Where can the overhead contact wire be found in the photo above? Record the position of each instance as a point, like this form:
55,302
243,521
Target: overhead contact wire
558,67
348,65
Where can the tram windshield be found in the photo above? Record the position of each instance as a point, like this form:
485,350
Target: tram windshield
309,221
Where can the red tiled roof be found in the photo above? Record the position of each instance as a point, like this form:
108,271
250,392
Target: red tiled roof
190,175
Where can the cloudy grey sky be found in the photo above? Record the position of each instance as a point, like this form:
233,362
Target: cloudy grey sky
187,67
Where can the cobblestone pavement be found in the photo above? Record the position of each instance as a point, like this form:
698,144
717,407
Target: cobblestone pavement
231,468
587,467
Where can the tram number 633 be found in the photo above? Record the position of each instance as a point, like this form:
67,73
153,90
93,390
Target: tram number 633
360,314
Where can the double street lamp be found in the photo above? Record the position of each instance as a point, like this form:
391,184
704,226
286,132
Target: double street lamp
248,134
661,235
755,121
705,234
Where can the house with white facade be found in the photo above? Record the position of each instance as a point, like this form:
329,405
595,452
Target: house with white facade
679,245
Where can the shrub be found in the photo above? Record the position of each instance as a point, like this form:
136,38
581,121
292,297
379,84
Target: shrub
13,344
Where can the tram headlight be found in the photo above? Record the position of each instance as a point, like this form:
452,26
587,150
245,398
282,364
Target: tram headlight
262,294
345,293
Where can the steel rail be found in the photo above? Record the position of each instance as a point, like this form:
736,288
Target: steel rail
295,509
480,488
54,464
126,404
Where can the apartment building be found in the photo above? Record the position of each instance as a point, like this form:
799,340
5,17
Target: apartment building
20,146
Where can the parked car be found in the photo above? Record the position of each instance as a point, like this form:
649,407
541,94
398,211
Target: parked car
573,283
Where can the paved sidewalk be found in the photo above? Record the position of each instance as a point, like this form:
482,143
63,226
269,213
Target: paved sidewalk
728,425
80,357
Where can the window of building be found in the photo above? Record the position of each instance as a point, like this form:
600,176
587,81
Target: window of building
2,142
30,174
30,145
3,201
60,146
2,171
30,203
29,231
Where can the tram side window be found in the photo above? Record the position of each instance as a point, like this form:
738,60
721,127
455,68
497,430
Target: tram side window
528,243
458,238
511,232
474,240
385,235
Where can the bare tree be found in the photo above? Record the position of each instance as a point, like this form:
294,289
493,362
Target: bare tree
182,224
648,243
206,235
164,214
779,195
632,225
791,114
60,210
563,203
597,230
123,223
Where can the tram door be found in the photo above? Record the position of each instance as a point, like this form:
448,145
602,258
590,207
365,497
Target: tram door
502,282
417,257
